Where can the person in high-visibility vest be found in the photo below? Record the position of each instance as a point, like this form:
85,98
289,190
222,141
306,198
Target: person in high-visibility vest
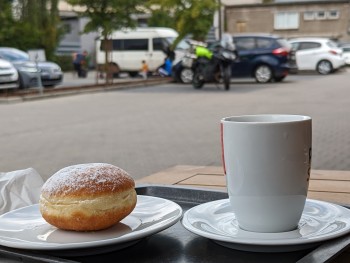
203,52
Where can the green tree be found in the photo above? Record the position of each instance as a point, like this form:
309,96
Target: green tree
161,18
34,25
107,16
6,20
43,16
191,16
14,32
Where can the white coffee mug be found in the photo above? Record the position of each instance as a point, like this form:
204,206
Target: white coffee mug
267,161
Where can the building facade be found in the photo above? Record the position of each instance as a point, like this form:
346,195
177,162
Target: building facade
291,19
74,40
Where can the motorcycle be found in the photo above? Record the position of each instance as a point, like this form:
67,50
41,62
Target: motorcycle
214,66
182,70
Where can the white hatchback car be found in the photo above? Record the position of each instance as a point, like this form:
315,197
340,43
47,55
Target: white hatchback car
8,75
320,54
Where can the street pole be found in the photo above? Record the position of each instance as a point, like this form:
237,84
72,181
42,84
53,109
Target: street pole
220,20
40,85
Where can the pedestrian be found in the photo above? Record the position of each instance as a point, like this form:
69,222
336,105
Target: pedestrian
166,69
79,63
144,69
170,53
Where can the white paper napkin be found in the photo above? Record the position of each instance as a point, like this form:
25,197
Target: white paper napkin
19,188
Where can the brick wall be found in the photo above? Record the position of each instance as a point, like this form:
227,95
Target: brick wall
260,18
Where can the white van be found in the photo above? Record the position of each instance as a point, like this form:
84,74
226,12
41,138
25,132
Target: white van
130,47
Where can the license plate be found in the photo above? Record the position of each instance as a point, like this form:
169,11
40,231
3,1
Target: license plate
5,79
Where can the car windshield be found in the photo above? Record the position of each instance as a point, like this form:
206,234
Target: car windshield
183,44
170,40
13,55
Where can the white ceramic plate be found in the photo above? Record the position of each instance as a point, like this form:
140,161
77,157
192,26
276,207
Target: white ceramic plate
26,229
320,221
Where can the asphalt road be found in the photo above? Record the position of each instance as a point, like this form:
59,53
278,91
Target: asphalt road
147,129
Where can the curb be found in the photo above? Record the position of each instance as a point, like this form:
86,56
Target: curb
84,89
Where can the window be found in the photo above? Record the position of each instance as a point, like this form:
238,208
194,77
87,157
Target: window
117,44
286,20
295,46
244,43
308,45
264,42
321,15
125,44
241,26
333,14
135,44
182,45
159,44
309,15
67,28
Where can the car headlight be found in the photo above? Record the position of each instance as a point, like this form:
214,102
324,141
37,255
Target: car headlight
51,70
56,70
29,69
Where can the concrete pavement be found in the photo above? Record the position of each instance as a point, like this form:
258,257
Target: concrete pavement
145,130
71,79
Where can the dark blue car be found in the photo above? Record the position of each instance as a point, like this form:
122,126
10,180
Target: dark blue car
261,56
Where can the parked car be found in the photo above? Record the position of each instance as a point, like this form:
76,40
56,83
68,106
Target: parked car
346,54
8,75
320,54
264,57
50,73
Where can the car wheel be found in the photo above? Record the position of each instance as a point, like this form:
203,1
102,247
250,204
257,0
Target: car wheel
324,67
263,73
197,81
227,77
186,75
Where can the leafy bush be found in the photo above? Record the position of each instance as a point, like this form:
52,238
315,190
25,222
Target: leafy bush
64,61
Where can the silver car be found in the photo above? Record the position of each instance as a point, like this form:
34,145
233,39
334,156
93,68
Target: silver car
50,73
8,75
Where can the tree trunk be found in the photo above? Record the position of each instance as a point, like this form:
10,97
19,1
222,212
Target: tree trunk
108,48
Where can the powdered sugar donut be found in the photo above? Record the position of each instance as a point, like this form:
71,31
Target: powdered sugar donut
87,197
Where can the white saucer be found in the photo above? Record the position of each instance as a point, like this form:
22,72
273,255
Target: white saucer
26,229
320,221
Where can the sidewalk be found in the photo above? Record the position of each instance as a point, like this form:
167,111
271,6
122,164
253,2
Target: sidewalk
71,79
72,85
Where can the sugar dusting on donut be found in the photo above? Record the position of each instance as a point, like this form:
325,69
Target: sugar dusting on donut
87,197
90,179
